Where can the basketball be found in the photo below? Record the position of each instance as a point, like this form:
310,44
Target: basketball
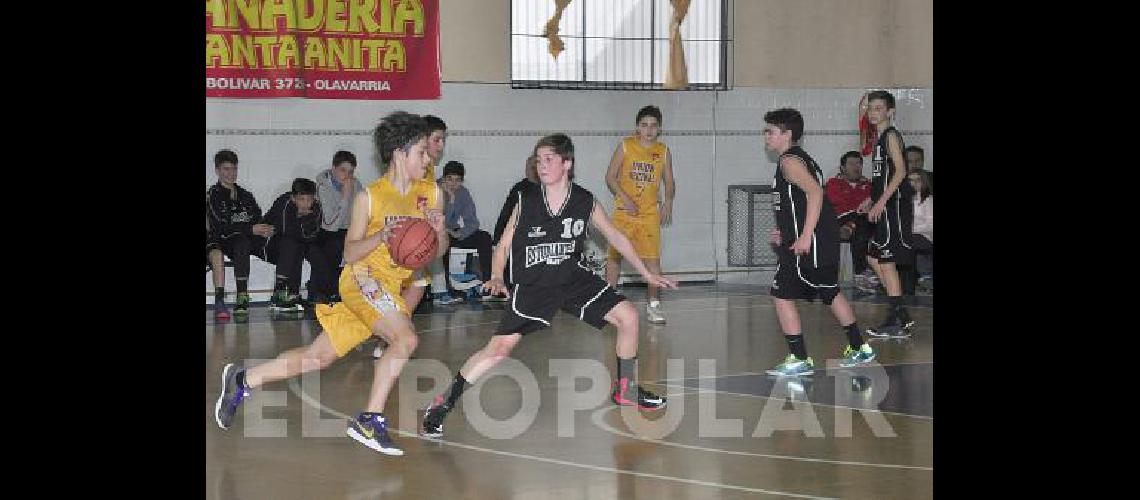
413,243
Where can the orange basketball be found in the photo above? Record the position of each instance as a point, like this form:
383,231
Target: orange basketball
413,243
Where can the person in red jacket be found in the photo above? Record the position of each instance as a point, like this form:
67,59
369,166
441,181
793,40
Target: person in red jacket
850,193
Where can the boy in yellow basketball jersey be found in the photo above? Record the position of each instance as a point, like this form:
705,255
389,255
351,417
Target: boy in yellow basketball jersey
639,164
437,139
414,288
369,286
421,280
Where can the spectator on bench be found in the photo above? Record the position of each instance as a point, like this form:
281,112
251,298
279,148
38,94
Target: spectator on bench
335,189
923,231
234,219
458,206
296,220
915,158
850,193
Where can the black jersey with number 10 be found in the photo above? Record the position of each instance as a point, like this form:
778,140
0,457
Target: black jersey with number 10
548,241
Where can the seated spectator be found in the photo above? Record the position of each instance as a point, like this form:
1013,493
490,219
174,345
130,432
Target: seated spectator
459,206
922,238
233,219
531,179
915,160
335,189
850,194
908,273
434,276
296,220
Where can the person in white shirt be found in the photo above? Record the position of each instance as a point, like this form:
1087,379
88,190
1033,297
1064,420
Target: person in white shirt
923,229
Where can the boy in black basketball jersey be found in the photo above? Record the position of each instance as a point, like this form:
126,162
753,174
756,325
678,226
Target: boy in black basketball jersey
544,239
807,244
892,213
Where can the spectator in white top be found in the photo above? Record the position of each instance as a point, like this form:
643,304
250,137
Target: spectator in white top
923,229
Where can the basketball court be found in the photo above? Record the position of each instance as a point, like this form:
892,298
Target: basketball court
861,433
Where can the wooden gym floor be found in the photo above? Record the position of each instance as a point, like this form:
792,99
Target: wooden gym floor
729,430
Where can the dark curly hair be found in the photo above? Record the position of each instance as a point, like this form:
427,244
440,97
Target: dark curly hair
787,119
398,130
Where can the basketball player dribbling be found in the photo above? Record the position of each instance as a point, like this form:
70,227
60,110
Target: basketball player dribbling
369,286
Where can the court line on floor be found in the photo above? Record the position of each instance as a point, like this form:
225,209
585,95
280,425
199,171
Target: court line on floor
295,388
598,415
663,383
730,393
741,374
750,306
743,293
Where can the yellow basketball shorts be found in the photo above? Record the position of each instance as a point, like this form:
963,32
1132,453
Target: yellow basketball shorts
643,231
363,301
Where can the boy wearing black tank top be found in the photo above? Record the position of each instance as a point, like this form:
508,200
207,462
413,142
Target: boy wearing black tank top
544,239
807,245
891,212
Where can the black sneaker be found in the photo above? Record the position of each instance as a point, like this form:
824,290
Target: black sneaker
892,328
904,318
433,418
281,302
277,299
646,400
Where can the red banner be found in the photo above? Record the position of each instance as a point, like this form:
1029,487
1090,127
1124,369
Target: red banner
323,49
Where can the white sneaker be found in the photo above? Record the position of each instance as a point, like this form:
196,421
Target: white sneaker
653,312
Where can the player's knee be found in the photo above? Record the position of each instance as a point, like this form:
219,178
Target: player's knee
624,316
502,345
323,356
506,344
409,342
326,359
